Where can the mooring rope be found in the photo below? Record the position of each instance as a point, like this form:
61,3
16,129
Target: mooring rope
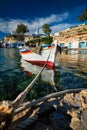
42,99
46,110
20,98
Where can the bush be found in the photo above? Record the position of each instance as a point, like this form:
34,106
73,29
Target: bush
47,40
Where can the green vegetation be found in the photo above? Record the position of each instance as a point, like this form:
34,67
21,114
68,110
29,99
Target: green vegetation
83,16
46,29
44,40
21,29
47,40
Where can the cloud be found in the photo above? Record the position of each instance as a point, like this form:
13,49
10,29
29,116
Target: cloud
7,26
60,27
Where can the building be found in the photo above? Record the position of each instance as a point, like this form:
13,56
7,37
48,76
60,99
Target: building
75,37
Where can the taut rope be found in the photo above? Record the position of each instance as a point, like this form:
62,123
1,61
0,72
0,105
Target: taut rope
20,98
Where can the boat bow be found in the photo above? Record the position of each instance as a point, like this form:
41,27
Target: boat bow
40,59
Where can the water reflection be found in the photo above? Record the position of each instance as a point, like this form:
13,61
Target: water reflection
8,59
47,83
73,72
70,52
79,61
47,75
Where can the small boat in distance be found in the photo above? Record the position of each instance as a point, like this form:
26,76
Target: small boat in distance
47,55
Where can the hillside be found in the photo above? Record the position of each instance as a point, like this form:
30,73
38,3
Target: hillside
78,33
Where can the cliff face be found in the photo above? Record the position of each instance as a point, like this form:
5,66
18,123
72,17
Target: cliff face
78,33
16,38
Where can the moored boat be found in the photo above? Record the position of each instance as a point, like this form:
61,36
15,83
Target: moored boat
47,55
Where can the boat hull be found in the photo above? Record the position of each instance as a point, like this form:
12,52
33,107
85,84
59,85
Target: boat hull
49,64
46,56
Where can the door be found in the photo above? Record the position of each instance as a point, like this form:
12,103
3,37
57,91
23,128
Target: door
70,45
82,44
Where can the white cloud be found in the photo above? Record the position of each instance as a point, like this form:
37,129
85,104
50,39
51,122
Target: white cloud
10,25
60,27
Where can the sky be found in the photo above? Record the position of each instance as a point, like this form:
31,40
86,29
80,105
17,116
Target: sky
59,14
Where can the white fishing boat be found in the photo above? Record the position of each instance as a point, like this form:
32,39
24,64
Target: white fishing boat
47,55
47,75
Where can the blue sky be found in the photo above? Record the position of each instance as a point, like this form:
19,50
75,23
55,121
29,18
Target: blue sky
60,14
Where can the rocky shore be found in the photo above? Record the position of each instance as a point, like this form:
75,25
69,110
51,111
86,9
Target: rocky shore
65,112
70,113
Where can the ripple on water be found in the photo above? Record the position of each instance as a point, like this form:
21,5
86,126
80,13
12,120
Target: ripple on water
70,73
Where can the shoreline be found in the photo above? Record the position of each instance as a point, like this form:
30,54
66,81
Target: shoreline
67,110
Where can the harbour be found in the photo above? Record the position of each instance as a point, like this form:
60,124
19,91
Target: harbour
52,98
43,65
71,72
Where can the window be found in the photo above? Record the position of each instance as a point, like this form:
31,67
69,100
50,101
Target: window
62,44
82,44
69,45
86,44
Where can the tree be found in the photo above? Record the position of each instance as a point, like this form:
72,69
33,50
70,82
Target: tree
47,40
83,16
46,29
21,29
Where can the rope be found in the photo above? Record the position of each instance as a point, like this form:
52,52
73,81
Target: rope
20,98
33,103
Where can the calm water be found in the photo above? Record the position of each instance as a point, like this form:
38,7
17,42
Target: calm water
15,75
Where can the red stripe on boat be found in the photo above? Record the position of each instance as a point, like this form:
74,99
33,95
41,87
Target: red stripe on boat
26,52
51,46
49,64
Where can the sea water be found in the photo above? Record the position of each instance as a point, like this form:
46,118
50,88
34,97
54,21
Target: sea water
71,72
